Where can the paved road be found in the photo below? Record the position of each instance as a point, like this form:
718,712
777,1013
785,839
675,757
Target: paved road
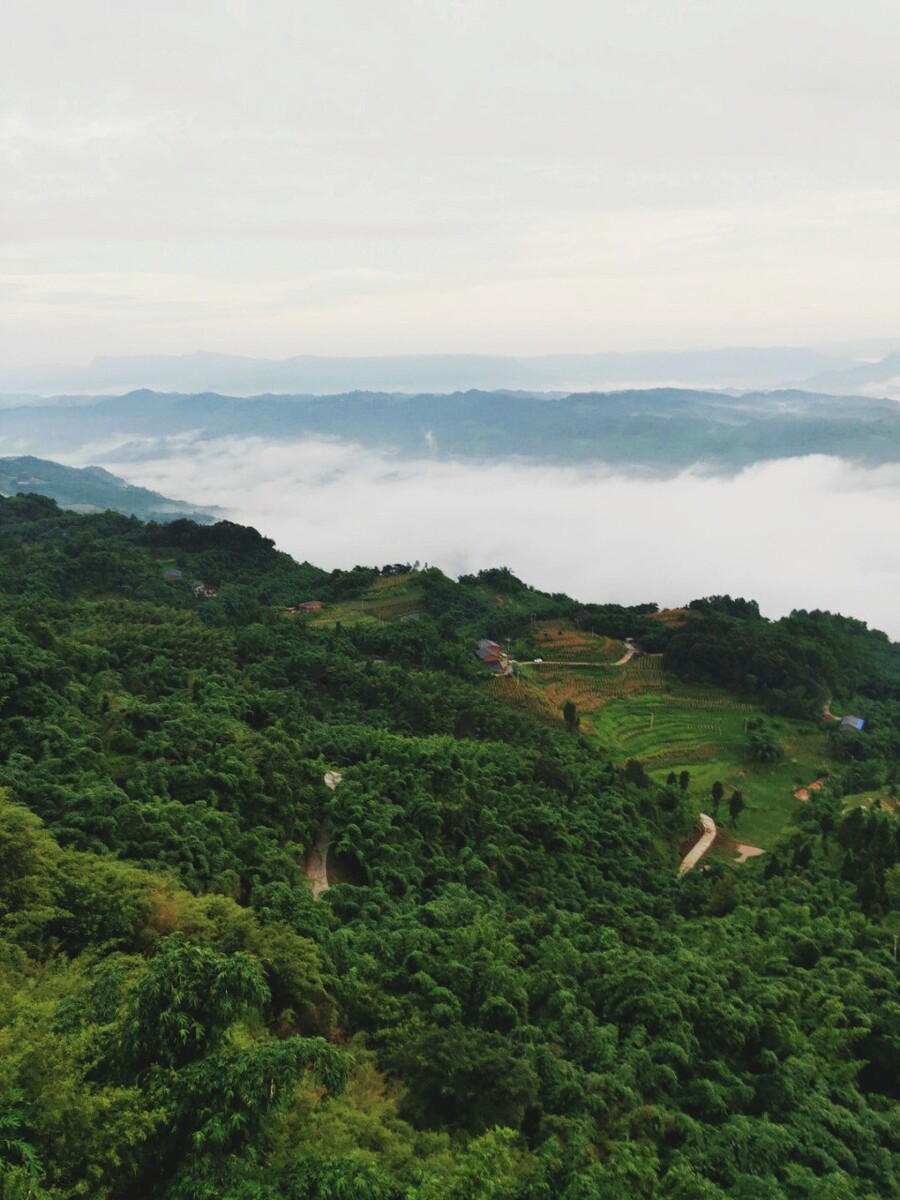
697,851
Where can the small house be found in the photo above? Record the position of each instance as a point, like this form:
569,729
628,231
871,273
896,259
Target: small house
851,724
311,606
493,657
172,575
488,651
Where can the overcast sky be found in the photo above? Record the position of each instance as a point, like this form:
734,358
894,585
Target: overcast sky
283,177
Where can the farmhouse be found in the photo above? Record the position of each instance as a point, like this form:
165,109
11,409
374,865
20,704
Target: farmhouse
493,657
311,606
488,651
172,575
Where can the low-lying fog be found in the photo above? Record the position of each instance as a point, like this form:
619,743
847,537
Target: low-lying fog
810,532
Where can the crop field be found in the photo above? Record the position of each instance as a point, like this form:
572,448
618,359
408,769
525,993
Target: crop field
515,691
658,728
561,640
388,599
637,711
671,617
591,688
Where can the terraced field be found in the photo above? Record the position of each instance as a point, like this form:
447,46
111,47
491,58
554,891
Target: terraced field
590,688
660,728
390,598
557,639
637,711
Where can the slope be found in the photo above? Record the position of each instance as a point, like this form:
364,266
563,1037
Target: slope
508,994
90,489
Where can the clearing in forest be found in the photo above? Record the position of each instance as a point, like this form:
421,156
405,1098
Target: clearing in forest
388,598
557,639
639,711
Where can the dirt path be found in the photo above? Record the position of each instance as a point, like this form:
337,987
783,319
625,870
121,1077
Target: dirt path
743,852
560,662
697,851
315,868
827,713
568,662
316,865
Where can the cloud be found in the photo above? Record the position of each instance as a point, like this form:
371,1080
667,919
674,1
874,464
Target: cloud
466,176
810,532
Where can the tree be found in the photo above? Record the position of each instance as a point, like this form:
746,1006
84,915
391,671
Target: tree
684,780
187,998
764,746
570,715
718,791
735,806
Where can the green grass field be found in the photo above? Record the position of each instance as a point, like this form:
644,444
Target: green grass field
637,711
388,599
880,795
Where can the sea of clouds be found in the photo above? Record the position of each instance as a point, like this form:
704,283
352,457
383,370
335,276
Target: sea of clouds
811,532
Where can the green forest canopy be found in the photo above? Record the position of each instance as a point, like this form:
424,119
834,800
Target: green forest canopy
507,992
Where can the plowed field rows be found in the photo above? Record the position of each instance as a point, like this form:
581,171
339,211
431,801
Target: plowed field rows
557,641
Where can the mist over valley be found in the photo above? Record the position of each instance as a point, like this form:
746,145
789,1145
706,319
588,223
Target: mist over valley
662,494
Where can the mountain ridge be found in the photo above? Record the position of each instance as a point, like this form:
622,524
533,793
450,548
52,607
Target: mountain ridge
208,370
662,429
92,489
507,990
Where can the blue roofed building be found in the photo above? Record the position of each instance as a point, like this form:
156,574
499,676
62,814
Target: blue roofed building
851,724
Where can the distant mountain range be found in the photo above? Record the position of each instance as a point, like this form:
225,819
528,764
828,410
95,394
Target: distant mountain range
91,489
661,430
738,368
880,378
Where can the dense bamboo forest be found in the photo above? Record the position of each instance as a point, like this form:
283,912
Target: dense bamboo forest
506,992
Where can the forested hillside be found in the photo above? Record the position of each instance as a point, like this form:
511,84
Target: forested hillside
657,431
506,992
90,489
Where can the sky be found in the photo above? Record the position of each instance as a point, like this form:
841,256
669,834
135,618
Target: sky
594,533
509,176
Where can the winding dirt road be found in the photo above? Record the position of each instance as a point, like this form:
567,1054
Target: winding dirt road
568,662
697,851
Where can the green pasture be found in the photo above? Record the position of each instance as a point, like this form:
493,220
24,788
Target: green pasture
704,732
637,711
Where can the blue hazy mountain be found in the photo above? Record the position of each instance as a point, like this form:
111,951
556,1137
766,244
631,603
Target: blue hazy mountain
738,367
91,489
880,378
662,429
